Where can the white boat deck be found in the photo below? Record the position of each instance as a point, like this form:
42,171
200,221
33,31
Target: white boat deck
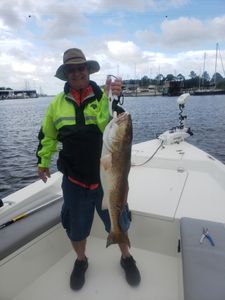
179,181
105,278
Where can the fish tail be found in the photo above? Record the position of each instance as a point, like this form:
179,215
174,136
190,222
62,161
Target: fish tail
117,238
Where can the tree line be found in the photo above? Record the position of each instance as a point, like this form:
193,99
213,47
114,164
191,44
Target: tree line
194,80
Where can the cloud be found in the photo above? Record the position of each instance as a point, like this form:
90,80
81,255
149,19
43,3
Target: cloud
217,27
133,62
123,58
15,48
129,5
23,67
10,15
180,33
49,19
186,61
124,51
148,37
184,33
64,21
55,20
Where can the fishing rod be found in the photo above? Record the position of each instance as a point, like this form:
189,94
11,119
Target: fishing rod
28,213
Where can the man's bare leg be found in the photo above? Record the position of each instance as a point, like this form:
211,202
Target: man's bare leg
79,248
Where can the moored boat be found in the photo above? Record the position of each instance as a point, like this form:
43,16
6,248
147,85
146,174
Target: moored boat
208,92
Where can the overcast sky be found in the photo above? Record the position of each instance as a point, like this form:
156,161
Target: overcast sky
130,38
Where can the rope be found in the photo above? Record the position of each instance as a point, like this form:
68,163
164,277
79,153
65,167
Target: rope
150,158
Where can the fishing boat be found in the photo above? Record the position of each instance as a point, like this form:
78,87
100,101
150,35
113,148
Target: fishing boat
177,200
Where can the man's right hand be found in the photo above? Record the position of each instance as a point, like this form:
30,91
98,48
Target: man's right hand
44,173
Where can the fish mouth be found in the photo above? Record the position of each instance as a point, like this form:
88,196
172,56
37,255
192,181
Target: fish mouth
122,117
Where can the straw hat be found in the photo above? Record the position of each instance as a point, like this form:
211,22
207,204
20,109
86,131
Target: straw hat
75,56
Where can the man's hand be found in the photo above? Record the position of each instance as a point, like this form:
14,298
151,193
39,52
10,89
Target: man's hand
44,174
116,86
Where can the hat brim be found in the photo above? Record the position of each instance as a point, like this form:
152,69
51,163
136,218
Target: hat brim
93,67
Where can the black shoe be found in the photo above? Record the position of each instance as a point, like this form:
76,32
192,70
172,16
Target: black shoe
132,273
77,277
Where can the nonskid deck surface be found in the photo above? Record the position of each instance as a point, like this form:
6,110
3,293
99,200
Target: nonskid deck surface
180,181
161,277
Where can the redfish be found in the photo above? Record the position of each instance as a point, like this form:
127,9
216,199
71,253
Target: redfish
114,169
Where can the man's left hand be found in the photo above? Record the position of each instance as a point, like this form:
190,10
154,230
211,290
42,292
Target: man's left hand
116,86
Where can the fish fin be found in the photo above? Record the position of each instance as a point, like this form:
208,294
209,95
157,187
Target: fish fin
119,238
106,161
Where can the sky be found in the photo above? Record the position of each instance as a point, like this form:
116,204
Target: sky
129,38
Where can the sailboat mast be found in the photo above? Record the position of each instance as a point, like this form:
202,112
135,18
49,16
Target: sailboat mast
217,47
203,73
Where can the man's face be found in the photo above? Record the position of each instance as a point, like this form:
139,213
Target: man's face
78,76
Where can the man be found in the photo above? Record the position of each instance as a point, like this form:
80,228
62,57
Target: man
77,117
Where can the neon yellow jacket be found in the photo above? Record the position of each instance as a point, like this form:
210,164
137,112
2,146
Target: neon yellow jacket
79,129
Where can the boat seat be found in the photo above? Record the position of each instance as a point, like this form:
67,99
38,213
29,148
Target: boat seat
23,231
203,262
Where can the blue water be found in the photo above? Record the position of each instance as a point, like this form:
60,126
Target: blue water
20,121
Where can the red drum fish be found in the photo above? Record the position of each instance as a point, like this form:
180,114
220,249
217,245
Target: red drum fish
114,169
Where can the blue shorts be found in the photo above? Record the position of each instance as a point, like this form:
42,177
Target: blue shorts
78,211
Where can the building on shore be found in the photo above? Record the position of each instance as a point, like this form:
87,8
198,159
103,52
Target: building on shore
132,90
17,94
172,88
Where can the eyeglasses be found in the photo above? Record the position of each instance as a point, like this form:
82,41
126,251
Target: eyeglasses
80,68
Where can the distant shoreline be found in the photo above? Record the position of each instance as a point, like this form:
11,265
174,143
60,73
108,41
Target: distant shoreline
142,94
192,93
